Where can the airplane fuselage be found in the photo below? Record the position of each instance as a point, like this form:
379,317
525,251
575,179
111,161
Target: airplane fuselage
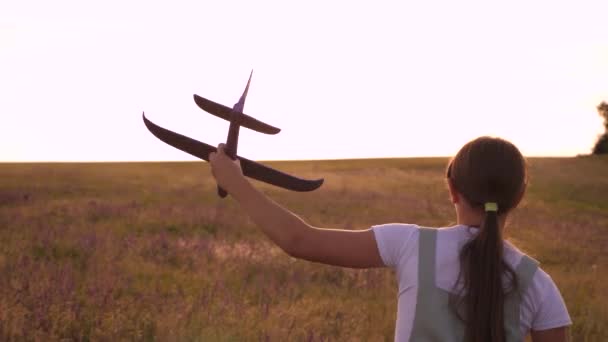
235,122
233,134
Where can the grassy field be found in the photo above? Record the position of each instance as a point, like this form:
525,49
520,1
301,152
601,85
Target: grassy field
146,251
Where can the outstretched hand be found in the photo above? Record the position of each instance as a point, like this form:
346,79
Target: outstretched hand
227,172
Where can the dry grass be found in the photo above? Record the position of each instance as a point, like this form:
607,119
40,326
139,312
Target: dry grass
147,252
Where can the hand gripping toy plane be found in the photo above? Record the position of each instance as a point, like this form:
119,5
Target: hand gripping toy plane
237,119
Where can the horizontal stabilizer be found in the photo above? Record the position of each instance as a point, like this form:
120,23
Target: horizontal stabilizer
225,113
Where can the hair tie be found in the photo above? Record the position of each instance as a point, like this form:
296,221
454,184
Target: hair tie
491,206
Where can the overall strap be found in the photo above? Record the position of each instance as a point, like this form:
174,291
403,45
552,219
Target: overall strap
426,257
524,271
433,319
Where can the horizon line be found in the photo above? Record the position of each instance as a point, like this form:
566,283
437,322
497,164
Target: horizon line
270,160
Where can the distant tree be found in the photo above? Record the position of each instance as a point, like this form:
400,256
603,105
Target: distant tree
601,146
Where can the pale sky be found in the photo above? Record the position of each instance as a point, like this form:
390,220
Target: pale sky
342,79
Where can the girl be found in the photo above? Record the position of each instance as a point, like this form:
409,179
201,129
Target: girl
461,283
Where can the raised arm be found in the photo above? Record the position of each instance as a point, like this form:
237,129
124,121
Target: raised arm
347,248
551,335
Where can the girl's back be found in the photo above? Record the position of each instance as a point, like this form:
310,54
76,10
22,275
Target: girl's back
541,306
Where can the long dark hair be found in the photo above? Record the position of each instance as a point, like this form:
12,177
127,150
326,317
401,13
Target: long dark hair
486,170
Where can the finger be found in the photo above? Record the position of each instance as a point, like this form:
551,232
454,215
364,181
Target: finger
212,157
220,149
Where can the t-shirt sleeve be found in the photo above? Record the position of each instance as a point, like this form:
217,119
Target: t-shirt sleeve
394,241
552,311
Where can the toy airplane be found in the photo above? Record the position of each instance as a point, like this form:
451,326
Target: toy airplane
237,119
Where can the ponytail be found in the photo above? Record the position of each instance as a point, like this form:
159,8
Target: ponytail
482,267
486,169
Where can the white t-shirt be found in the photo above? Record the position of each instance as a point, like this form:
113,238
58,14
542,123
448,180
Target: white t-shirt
542,307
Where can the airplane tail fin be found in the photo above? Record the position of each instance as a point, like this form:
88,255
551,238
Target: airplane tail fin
239,106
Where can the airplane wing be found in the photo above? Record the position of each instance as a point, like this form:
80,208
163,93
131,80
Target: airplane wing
250,168
224,113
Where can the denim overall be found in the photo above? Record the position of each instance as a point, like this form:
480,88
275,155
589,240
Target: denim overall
435,321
